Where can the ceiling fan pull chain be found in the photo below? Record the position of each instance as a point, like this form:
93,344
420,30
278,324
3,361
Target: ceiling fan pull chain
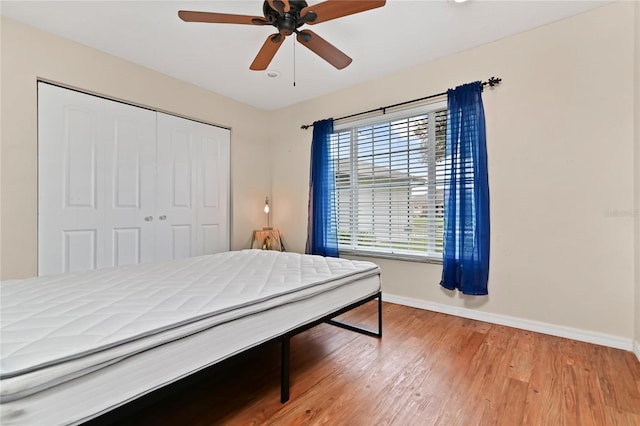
294,63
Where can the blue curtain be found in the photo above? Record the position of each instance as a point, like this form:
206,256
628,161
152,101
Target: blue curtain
466,198
322,228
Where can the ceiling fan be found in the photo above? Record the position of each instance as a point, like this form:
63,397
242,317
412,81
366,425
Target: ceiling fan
287,16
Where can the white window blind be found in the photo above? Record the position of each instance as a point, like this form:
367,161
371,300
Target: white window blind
390,185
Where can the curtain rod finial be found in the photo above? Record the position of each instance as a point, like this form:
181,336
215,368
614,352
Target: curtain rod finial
494,81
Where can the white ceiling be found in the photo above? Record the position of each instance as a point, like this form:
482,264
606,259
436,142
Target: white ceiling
399,35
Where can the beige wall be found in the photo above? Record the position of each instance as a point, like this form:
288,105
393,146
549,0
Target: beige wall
560,140
637,178
29,54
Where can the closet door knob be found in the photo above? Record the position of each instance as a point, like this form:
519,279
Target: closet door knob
148,218
163,217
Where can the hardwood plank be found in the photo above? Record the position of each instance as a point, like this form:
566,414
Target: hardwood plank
544,404
390,396
408,402
511,410
521,362
346,390
342,385
484,385
634,367
620,391
493,381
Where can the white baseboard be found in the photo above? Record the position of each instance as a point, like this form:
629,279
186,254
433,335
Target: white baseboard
524,324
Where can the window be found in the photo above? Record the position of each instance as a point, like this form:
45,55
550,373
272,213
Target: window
390,184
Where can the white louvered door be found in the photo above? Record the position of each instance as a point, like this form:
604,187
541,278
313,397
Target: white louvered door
106,175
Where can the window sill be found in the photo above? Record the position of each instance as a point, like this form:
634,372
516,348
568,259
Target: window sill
392,256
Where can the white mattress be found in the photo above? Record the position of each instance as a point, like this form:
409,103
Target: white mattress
87,337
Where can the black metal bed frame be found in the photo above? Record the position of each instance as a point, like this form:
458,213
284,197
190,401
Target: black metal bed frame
285,353
120,413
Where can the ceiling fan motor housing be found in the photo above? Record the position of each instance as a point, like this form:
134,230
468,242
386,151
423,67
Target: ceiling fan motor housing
287,22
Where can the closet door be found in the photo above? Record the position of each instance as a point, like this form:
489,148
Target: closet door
193,188
96,182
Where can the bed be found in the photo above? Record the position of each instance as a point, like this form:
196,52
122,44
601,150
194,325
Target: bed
76,346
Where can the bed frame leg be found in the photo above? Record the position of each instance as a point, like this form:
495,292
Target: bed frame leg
285,339
362,330
284,369
379,315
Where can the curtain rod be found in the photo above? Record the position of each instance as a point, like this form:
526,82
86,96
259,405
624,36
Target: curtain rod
493,81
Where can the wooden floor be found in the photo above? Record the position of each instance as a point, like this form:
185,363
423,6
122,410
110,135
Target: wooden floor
428,369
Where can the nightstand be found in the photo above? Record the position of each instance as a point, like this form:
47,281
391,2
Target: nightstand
268,239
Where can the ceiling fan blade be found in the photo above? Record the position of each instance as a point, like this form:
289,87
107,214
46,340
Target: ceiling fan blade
324,49
267,52
282,6
332,9
221,18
